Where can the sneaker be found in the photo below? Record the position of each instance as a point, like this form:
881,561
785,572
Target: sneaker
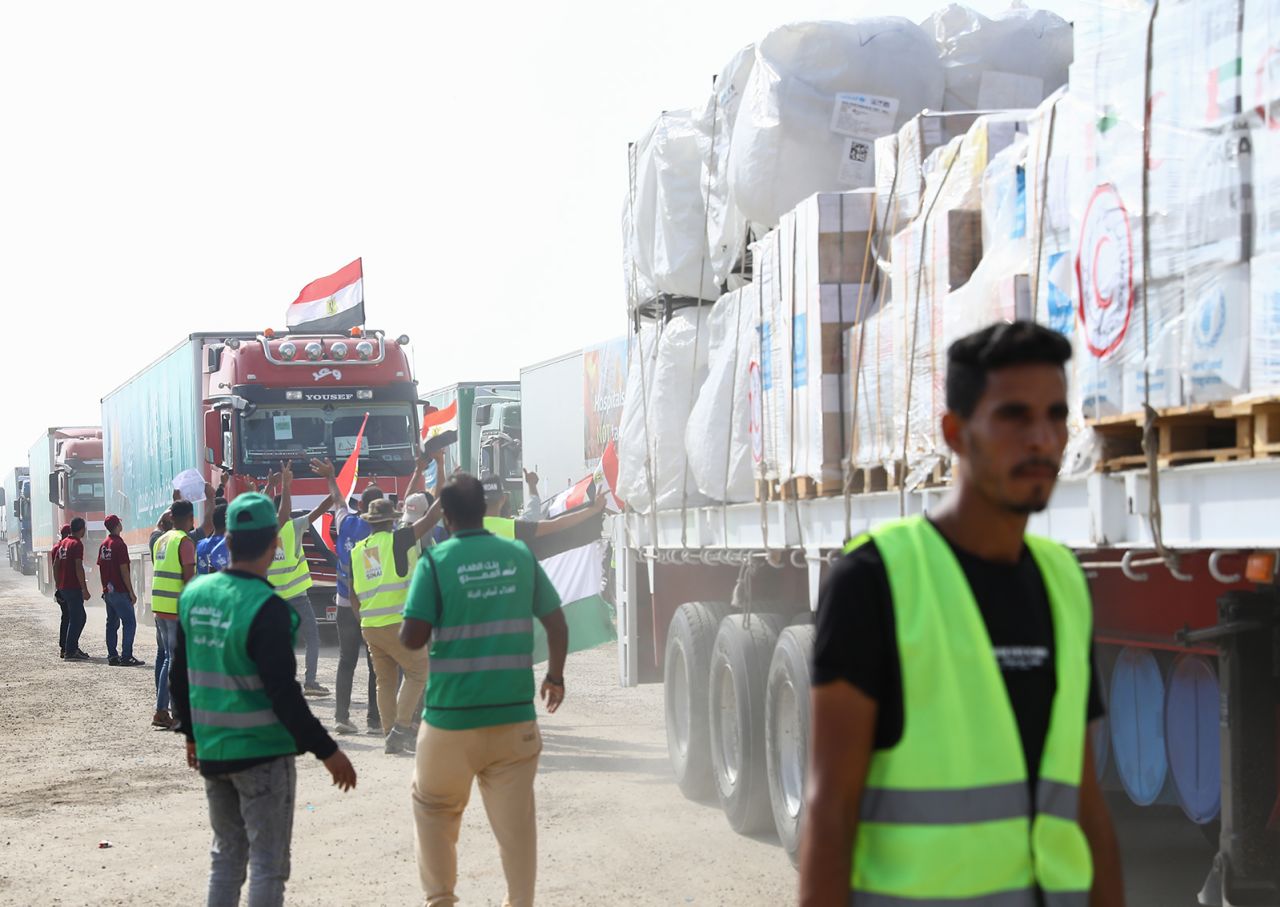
315,690
345,727
374,729
408,740
113,660
395,743
162,720
77,655
131,662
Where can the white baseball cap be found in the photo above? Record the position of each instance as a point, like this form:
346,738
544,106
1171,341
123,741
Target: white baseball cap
416,507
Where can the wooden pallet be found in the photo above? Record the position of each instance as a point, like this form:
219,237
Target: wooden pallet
1265,413
870,479
1204,433
803,488
766,489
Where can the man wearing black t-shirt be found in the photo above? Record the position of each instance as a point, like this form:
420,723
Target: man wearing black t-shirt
887,779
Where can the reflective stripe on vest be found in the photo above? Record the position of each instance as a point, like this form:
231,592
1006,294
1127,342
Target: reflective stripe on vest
479,631
487,663
289,572
989,844
166,579
231,715
381,588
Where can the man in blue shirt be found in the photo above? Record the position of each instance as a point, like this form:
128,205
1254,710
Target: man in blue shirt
211,552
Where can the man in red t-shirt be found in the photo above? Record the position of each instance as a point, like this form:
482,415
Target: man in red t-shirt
117,592
73,590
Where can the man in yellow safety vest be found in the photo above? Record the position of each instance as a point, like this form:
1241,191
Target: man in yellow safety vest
290,575
950,759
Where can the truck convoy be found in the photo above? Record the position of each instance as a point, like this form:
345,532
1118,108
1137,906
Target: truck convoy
65,466
481,425
236,405
17,514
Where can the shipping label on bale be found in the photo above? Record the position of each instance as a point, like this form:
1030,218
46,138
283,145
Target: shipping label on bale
866,115
1217,336
857,163
1104,271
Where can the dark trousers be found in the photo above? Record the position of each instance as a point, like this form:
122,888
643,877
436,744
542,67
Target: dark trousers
350,642
73,619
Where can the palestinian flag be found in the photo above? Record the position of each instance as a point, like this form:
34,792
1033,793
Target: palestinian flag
330,305
574,562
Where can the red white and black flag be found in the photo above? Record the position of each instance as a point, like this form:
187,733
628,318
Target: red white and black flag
330,305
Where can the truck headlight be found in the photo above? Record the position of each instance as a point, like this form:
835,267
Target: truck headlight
364,395
288,352
364,349
314,350
338,351
293,395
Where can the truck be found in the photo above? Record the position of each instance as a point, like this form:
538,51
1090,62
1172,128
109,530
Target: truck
485,422
235,405
17,510
65,469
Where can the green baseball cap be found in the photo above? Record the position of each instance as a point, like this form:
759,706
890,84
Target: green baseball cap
251,511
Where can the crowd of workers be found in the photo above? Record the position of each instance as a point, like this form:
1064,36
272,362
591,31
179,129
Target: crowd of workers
952,668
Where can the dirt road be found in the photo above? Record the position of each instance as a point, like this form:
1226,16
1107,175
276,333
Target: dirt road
80,765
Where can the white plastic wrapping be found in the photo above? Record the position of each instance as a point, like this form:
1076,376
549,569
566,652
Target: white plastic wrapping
675,370
726,224
667,219
718,437
876,421
1264,324
818,97
1012,61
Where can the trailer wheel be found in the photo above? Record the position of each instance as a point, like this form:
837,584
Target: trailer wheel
739,673
686,666
787,732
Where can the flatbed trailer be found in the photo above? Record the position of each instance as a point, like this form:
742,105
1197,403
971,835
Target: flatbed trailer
717,603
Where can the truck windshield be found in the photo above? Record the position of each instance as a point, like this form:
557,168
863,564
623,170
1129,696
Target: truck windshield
299,434
88,491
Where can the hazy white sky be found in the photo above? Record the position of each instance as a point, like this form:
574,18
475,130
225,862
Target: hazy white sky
173,167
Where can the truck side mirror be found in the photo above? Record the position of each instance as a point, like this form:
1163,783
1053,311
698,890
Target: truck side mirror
1,497
209,456
53,489
483,413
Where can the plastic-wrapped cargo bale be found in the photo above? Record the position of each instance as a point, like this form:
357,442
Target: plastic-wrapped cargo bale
1216,334
726,225
774,341
1012,61
668,225
819,96
674,372
635,444
900,183
827,286
875,424
718,437
1264,324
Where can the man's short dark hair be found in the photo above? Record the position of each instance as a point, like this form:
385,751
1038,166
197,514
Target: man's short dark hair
182,509
462,499
220,519
251,544
971,358
77,525
369,495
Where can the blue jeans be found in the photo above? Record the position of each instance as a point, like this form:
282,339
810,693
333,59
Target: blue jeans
120,615
310,635
252,817
73,611
166,640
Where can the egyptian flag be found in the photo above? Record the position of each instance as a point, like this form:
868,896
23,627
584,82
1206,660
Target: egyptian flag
574,561
439,428
330,305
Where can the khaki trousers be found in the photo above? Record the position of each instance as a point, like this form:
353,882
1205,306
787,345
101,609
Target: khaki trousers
389,658
504,759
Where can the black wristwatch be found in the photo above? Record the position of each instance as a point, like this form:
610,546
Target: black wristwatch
554,681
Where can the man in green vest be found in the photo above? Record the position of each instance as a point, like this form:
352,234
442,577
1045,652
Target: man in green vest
474,598
381,566
950,759
237,699
290,574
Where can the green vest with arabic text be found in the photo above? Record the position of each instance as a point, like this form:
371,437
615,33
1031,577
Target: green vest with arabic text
948,812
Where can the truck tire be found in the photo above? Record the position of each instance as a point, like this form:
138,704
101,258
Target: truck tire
787,732
739,673
686,666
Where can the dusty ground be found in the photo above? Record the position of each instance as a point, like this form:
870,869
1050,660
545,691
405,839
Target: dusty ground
79,764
